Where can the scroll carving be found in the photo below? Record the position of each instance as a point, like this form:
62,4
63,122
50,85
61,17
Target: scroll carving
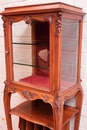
45,98
49,18
6,20
4,24
59,24
4,28
6,88
73,94
29,19
10,20
10,89
28,95
58,105
13,90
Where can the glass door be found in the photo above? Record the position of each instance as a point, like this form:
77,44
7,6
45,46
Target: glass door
31,53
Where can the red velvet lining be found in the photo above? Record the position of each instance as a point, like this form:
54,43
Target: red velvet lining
37,81
44,82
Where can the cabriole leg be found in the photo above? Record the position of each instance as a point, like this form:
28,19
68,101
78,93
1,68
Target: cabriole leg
79,98
7,96
58,108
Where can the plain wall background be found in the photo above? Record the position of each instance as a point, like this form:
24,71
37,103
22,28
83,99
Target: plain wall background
16,99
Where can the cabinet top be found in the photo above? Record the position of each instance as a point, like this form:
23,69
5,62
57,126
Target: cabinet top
43,8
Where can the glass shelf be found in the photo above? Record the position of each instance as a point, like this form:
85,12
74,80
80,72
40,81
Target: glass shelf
67,66
68,44
38,44
43,67
42,44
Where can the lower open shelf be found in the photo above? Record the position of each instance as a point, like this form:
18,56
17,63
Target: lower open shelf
26,125
41,113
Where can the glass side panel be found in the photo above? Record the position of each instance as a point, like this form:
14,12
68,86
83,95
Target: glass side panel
69,60
30,53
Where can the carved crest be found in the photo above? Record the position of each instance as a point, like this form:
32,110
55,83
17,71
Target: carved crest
29,19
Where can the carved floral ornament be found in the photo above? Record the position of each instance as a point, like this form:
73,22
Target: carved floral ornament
45,98
28,19
8,87
28,95
58,104
4,18
4,25
7,19
58,27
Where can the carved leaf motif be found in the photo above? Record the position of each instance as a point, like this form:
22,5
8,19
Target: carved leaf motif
59,24
6,88
4,25
28,95
50,18
45,98
5,20
58,105
27,19
13,90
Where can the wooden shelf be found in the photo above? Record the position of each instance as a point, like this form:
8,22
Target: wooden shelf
41,113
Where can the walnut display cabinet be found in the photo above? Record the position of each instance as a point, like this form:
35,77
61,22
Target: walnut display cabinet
43,55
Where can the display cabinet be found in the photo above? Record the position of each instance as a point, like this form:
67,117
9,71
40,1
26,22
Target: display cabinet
43,55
